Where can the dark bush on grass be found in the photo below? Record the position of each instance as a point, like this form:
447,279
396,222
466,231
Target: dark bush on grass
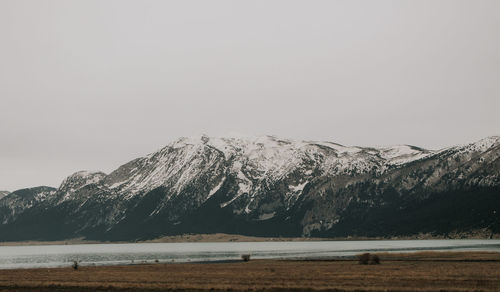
364,259
374,260
368,259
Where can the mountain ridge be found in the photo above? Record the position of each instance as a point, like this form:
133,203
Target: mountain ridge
263,186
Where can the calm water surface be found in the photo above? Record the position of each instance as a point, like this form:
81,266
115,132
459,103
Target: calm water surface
135,253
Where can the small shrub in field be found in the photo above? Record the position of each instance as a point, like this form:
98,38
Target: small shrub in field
75,265
374,260
245,257
364,259
368,259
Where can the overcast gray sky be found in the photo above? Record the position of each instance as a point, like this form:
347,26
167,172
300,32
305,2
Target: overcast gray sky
94,84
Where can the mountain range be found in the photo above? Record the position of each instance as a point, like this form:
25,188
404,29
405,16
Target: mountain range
267,186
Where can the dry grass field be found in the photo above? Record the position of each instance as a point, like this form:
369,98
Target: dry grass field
427,271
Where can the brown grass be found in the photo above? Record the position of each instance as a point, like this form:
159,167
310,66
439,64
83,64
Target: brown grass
426,271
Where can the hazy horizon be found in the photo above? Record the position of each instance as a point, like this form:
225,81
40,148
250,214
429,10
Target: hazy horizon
94,84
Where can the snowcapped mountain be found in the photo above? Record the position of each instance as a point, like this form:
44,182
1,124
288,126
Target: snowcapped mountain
252,161
266,186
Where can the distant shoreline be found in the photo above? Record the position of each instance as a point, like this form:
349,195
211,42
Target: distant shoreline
222,237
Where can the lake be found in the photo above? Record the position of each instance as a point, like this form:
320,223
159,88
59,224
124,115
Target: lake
136,253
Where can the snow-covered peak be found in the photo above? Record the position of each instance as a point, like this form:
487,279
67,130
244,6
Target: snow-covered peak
232,141
341,149
184,141
80,179
478,146
484,144
274,148
401,154
86,174
269,158
182,161
248,146
251,144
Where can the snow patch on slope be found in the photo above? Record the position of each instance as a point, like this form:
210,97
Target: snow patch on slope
401,154
298,188
214,190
